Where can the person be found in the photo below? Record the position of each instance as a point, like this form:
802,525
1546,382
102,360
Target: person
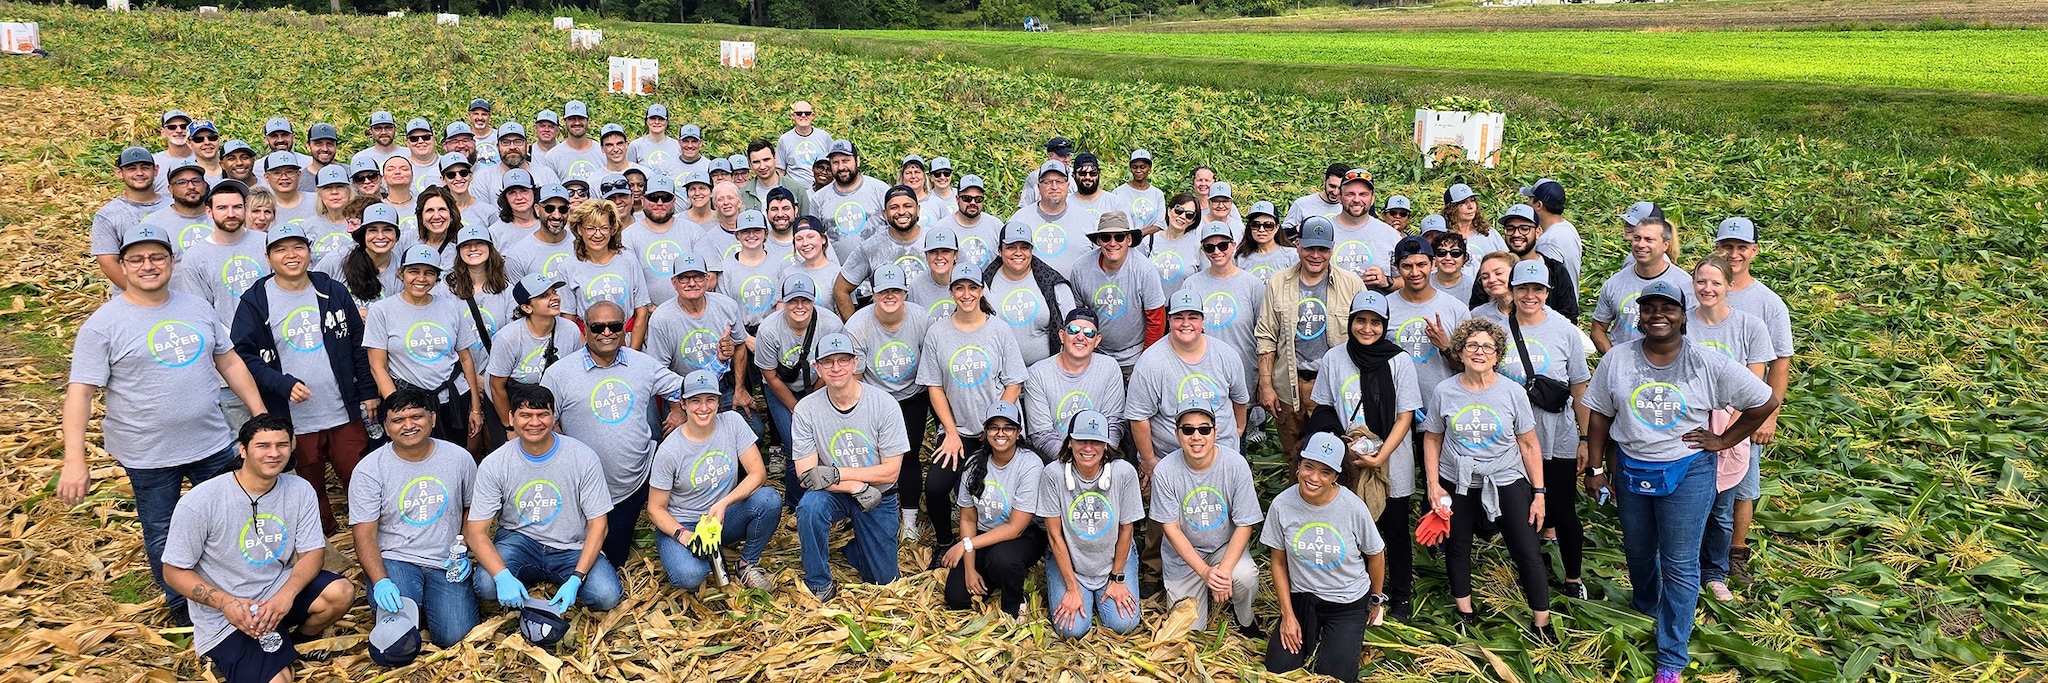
800,147
1399,212
1463,215
933,291
371,268
136,170
423,165
1089,196
1449,274
612,143
458,178
1293,329
176,128
844,447
1554,349
185,219
910,173
367,177
436,221
284,178
405,510
547,130
383,141
546,492
604,271
1368,384
1324,203
1484,463
296,333
1364,243
577,157
697,329
782,352
655,242
1615,315
750,276
260,210
1077,378
1495,270
1125,292
768,174
1667,386
536,339
148,348
973,228
1519,228
1057,150
1091,493
1559,239
1145,200
422,340
1187,367
206,143
546,249
1230,295
222,266
607,391
401,193
1261,252
1223,208
256,575
892,333
782,215
821,173
1175,248
518,209
1328,564
1205,503
480,282
1735,240
238,163
1000,537
938,201
900,243
479,115
328,226
690,164
1743,338
513,154
966,363
655,150
1420,318
849,202
1052,223
1029,294
711,469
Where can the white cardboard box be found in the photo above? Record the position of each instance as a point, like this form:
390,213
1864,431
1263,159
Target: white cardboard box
564,23
445,19
738,54
20,37
1442,134
632,76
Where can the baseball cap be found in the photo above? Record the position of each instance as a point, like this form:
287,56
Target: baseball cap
473,233
323,131
738,161
657,111
381,118
611,129
1089,425
455,128
720,165
280,159
751,219
1399,202
689,262
418,124
381,213
1051,166
1317,232
575,108
331,174
1195,405
395,640
511,129
533,285
1005,410
547,115
134,155
1261,207
1111,223
1325,448
364,165
1522,211
845,147
1139,154
1357,175
700,383
941,238
1016,232
1458,193
1640,210
689,131
541,624
1087,159
971,180
236,147
1184,301
1432,223
889,277
203,124
420,255
909,159
144,232
1662,290
941,164
1412,245
612,185
1547,191
1219,189
834,344
277,124
1535,272
479,103
1083,313
518,177
176,114
555,191
1060,146
454,159
662,185
1369,300
184,165
796,285
1217,229
1736,228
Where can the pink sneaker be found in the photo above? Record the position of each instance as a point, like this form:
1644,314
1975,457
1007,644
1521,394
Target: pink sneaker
1666,676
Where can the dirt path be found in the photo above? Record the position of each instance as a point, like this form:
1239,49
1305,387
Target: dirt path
1682,16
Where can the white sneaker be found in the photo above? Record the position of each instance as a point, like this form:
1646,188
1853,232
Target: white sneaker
1720,591
909,532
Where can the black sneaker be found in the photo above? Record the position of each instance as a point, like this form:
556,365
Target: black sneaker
1545,635
1251,630
1468,624
181,617
1575,590
1401,611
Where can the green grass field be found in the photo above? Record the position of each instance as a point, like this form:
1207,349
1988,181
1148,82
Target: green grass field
1969,60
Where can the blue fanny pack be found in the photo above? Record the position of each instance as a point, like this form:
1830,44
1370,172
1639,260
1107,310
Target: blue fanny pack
1654,479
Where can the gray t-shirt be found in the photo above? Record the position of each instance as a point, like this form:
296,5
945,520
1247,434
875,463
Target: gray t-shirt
1089,514
973,368
221,273
570,164
1365,246
698,473
1312,325
529,498
1409,326
1147,206
1617,304
185,231
423,343
1663,403
682,171
1022,308
880,249
687,343
847,212
1556,351
1326,545
606,407
892,357
1120,300
301,345
1338,386
245,551
775,344
532,255
151,362
1311,205
756,287
657,253
1058,240
977,242
1175,258
1208,505
1758,300
935,298
417,506
115,218
798,152
1230,311
1265,265
1460,290
1103,202
1052,396
1161,383
1005,489
328,237
1561,241
655,154
869,434
1481,426
519,355
621,282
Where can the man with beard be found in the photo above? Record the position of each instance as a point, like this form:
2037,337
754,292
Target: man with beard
655,240
323,141
1364,243
383,136
1088,194
902,244
458,138
1125,292
544,251
800,147
768,175
1323,204
975,230
279,137
1293,330
137,170
1056,227
489,181
782,212
184,220
850,202
578,157
222,267
1147,203
1523,234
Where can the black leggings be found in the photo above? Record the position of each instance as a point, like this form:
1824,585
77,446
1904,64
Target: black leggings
910,480
1561,512
1400,538
1514,531
1334,632
1003,567
620,525
940,482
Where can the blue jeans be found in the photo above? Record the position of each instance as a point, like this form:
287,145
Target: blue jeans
1094,602
534,563
873,550
1752,484
448,608
779,414
753,519
156,497
1661,537
1719,536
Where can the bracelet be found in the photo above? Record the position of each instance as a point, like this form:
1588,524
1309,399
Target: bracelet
967,542
1536,490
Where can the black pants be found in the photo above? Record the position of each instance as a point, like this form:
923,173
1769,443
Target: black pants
1003,566
1561,512
910,480
620,525
939,484
1400,539
1515,532
1334,632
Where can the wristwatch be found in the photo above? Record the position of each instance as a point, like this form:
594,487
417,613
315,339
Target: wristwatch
1116,577
1376,599
1597,472
579,575
1535,490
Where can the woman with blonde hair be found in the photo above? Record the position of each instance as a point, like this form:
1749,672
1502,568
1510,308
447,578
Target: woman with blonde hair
604,270
1492,277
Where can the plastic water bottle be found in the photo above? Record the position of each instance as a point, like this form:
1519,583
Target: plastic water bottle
458,559
372,427
270,642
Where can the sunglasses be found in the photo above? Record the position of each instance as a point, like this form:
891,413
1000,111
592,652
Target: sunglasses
553,208
1191,430
804,113
1111,237
462,173
176,126
1088,332
607,328
658,198
419,138
1450,253
579,193
1264,225
974,198
1215,247
207,138
1184,212
944,174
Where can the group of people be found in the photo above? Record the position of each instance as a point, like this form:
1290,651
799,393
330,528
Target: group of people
480,336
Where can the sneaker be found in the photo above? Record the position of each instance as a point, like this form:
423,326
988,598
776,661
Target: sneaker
181,617
938,558
1720,590
1545,635
1401,611
1253,436
1667,676
826,594
910,533
753,576
1575,590
1468,624
1251,630
1738,565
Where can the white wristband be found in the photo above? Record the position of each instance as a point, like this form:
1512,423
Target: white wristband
967,542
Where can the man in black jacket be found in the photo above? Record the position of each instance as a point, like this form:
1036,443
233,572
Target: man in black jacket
1519,229
298,331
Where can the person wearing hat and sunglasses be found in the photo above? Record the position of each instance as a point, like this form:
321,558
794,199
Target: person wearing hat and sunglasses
1124,291
405,512
803,144
1147,202
139,197
1230,295
655,240
548,249
1735,240
176,129
1089,196
458,176
1329,565
1616,313
893,331
1325,203
1000,538
426,163
655,150
976,231
1293,328
1206,505
1092,494
206,144
546,492
711,471
1364,244
938,202
1649,404
1075,379
845,446
852,203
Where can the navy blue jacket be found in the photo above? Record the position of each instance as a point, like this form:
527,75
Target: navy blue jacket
341,329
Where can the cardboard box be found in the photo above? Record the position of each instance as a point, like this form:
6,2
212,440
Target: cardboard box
737,54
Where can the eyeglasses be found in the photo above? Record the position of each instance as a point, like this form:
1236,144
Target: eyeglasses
973,198
553,208
1191,430
1189,213
607,328
1264,225
1087,332
1518,227
1110,237
1090,174
1403,213
208,138
1003,429
578,193
183,182
1482,348
460,173
419,138
151,259
1450,253
1216,247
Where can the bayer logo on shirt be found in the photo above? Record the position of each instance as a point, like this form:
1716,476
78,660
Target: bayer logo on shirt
1219,310
1089,514
1657,405
1110,302
1477,426
969,366
894,362
1020,307
175,343
422,501
1310,318
428,342
1204,508
611,400
853,448
1318,545
264,539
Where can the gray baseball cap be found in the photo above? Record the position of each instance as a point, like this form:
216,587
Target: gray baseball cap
1261,207
971,180
455,128
479,103
1194,404
1317,232
1640,210
659,185
700,383
330,175
1536,272
285,231
535,284
842,147
1458,193
364,165
889,277
1184,301
799,285
452,159
611,129
134,155
941,238
511,129
1051,166
518,177
1521,211
323,131
277,124
420,255
144,232
689,131
1140,155
382,118
720,165
1369,300
689,262
1217,229
183,165
941,164
176,114
1016,232
236,147
834,344
555,191
575,108
395,639
1662,290
909,159
473,233
1325,448
380,213
1089,425
1219,190
418,124
751,219
1399,202
657,111
1736,228
1005,410
547,115
738,161
1432,223
280,159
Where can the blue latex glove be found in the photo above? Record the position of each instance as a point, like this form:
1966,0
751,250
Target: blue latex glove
464,569
385,595
565,597
511,593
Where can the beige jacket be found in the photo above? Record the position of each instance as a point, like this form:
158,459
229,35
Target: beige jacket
1274,331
